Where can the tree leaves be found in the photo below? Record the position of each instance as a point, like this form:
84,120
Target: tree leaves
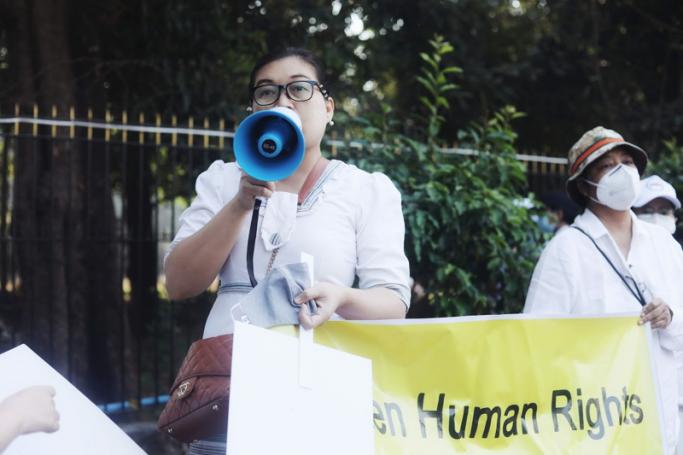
471,244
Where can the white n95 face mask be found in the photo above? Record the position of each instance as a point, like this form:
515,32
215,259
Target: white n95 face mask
279,220
619,188
665,221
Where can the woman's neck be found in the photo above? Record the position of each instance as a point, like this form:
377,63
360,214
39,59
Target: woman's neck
618,223
294,182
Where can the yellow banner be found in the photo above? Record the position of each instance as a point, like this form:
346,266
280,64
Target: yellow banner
510,385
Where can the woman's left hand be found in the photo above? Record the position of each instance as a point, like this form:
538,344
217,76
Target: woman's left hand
328,298
657,313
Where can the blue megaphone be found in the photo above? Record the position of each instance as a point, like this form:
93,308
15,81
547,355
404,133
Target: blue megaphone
269,145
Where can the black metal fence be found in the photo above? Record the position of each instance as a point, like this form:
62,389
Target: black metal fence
87,209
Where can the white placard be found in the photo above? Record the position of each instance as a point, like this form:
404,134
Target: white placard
83,427
306,335
270,413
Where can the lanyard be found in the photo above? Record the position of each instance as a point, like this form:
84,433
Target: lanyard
635,293
251,241
311,179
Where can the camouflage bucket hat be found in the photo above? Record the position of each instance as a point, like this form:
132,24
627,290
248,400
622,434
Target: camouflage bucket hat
592,145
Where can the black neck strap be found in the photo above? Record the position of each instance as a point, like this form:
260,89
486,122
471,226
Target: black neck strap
252,240
635,293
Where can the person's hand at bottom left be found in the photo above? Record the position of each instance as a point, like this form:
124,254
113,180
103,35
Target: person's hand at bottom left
33,408
27,411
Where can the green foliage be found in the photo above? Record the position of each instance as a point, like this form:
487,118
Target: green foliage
470,241
435,80
668,164
619,66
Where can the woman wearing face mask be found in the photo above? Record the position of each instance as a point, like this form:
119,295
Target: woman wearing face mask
656,203
609,261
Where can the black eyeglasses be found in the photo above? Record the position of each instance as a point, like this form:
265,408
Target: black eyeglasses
267,94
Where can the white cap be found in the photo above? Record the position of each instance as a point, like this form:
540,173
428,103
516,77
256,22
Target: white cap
654,187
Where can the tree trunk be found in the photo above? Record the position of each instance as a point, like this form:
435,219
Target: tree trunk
59,203
73,313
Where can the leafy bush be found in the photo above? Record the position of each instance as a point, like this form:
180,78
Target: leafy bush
470,240
668,164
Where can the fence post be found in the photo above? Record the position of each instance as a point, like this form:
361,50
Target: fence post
90,116
157,136
17,112
190,136
174,135
54,117
107,119
72,117
36,114
221,127
141,122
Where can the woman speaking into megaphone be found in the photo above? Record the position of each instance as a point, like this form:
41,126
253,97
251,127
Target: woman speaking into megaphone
350,220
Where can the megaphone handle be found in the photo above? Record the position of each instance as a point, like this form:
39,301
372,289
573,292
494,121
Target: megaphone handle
252,240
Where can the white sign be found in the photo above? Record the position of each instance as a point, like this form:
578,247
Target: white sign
271,413
83,427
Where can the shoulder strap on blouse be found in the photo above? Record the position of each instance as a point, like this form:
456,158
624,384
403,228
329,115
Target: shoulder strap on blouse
637,294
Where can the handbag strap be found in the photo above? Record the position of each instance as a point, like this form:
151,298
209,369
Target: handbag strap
637,294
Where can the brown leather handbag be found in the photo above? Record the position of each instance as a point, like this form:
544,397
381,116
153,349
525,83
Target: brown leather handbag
198,401
197,407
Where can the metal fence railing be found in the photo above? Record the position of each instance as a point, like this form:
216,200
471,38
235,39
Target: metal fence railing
87,208
86,211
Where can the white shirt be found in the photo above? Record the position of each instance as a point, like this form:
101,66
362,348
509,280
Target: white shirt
351,222
572,277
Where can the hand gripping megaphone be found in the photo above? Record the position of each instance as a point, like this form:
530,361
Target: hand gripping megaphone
269,145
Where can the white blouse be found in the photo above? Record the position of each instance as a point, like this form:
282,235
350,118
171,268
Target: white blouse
351,222
572,277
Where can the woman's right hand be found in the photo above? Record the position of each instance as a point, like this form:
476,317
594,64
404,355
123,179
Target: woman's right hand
250,189
657,313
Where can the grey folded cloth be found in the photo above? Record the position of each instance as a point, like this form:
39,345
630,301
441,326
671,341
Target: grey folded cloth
271,302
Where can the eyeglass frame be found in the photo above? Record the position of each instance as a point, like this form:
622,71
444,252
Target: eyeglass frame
284,87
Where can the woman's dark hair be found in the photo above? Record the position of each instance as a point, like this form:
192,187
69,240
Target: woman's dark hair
559,200
304,54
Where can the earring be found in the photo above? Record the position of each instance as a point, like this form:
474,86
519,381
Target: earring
249,109
331,123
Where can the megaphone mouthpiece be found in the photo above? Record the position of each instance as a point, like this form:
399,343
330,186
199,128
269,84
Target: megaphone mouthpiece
274,139
269,145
